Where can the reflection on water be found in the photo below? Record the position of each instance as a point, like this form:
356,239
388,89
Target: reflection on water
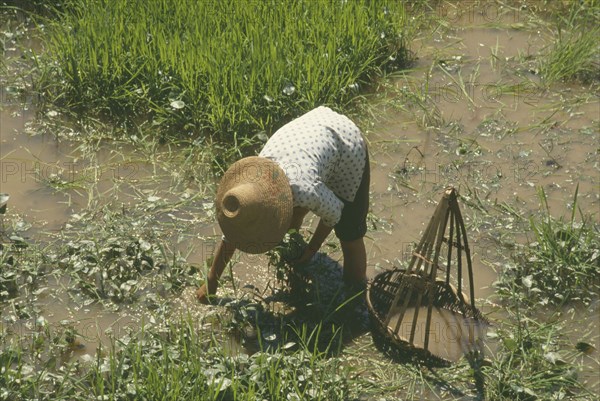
79,326
450,334
26,163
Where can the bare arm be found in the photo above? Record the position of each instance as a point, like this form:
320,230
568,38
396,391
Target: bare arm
319,236
223,255
298,217
315,242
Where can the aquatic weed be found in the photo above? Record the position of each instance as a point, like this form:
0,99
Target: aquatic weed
22,264
574,53
532,360
560,265
116,256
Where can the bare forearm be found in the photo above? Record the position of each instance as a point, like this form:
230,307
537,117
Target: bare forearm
222,257
298,218
319,236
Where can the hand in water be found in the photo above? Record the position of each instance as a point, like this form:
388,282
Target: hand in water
205,293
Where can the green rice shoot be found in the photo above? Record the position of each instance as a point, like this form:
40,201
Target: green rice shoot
221,68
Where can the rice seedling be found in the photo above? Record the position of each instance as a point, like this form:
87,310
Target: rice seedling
574,53
320,310
217,67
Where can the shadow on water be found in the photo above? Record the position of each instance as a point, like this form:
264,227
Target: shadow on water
316,311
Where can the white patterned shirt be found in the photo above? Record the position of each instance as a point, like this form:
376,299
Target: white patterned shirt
323,155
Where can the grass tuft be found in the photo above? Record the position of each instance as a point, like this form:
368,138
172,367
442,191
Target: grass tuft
575,54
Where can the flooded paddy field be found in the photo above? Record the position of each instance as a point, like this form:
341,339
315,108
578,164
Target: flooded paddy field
473,110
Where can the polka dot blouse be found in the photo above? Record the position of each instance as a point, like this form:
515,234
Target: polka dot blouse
323,155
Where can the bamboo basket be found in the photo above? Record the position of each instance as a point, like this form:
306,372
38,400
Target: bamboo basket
431,281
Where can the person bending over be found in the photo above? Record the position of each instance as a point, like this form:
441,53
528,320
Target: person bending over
318,162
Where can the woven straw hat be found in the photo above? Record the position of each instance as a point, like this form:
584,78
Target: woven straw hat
254,204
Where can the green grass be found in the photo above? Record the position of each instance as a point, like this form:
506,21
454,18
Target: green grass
202,370
226,68
176,362
532,361
561,264
574,54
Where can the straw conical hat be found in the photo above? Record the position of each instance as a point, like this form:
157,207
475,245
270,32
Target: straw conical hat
254,204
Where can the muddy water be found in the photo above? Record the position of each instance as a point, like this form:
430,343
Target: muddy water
93,324
26,163
49,180
490,145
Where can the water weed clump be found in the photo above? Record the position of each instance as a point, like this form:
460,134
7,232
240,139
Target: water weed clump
532,361
118,257
19,268
560,265
33,364
9,273
23,262
216,67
